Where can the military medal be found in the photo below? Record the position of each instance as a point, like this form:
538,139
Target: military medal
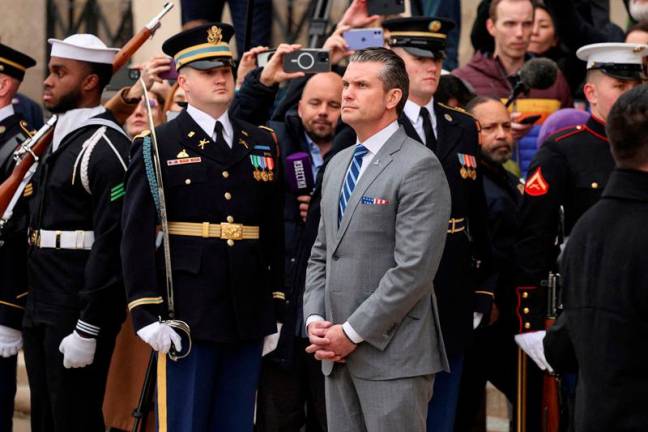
255,164
270,163
264,173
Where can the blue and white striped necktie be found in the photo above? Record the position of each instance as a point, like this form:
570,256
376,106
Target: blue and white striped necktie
351,179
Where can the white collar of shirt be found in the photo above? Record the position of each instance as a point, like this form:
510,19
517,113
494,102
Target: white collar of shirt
207,123
7,111
413,112
70,121
377,140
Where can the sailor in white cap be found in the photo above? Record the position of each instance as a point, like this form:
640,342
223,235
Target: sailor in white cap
570,171
76,304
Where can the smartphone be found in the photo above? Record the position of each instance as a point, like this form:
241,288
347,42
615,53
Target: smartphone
529,119
171,74
357,39
307,60
385,7
264,57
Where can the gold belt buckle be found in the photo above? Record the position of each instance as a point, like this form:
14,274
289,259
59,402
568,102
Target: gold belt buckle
34,238
230,231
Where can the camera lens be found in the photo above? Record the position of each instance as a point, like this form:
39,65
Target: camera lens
305,61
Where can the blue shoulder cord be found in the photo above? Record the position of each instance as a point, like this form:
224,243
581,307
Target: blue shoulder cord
147,152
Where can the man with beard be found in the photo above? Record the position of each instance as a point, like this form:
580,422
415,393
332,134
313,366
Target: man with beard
13,274
463,282
76,303
492,354
291,380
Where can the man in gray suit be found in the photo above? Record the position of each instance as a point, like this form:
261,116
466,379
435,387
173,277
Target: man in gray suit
369,302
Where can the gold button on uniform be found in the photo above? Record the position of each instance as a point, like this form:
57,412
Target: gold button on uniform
525,294
526,310
230,219
188,181
225,174
228,196
595,185
527,325
230,242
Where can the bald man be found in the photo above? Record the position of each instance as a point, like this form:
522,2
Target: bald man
291,390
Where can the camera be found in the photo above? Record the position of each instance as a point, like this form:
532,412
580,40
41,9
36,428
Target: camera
307,60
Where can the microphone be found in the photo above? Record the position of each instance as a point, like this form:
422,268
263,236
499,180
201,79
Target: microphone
299,173
538,73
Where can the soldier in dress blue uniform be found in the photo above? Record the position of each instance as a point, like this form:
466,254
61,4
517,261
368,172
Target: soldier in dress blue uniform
13,272
76,301
223,195
463,285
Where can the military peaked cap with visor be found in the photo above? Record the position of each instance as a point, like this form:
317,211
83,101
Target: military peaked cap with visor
419,36
204,47
14,63
623,61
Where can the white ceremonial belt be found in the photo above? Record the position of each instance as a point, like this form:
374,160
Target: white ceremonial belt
54,239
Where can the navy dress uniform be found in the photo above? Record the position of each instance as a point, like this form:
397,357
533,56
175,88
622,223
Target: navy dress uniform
223,196
13,271
464,282
76,292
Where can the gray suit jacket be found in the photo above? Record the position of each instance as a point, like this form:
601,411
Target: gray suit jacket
376,270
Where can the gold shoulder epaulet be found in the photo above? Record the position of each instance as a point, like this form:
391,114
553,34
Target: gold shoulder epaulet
143,134
457,109
25,128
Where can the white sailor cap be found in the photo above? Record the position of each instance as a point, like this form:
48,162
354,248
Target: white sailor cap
83,47
620,60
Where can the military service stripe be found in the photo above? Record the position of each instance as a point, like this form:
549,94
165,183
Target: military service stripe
279,295
162,392
117,192
144,301
485,293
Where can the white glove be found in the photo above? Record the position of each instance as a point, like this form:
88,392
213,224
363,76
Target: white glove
270,342
477,318
160,336
531,344
77,351
10,341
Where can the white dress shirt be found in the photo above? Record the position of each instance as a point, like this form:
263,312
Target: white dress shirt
373,145
70,121
7,111
208,123
413,112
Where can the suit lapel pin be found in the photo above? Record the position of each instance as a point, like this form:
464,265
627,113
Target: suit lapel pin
2,129
244,133
448,117
191,134
242,142
203,143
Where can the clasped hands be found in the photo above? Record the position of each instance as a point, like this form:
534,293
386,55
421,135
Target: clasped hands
329,342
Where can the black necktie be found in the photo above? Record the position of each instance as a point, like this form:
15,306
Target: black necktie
430,139
220,138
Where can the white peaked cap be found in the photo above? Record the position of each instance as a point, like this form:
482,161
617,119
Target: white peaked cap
612,52
83,47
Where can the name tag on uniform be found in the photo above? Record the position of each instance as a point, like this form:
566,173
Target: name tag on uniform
184,161
373,201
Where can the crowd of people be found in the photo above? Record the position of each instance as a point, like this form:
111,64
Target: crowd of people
230,246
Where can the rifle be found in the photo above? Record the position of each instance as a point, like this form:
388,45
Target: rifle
550,381
28,154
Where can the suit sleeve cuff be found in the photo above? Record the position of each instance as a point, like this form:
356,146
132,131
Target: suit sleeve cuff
352,334
312,319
